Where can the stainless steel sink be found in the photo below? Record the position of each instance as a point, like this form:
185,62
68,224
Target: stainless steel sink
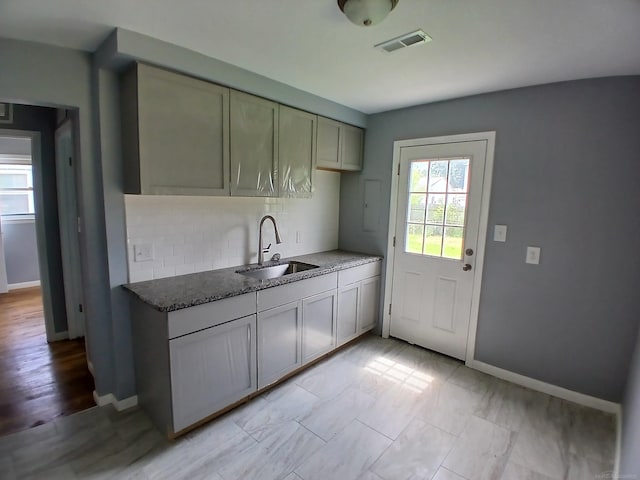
275,271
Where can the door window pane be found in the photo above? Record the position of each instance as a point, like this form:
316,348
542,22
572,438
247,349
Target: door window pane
415,234
453,240
433,240
437,209
459,175
419,175
417,208
456,206
435,212
438,176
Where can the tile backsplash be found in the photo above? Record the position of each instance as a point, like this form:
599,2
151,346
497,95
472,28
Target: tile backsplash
194,234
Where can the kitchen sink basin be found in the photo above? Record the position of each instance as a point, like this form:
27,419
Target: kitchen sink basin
275,271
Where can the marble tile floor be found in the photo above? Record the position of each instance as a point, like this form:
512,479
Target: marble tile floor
378,410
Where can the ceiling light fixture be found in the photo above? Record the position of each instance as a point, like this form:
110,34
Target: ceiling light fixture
366,12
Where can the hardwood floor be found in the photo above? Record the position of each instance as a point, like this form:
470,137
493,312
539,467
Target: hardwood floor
38,381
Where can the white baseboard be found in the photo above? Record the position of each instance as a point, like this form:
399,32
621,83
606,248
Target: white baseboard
119,405
56,337
18,286
616,464
533,384
90,368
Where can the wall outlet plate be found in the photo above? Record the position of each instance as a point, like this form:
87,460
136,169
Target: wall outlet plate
143,252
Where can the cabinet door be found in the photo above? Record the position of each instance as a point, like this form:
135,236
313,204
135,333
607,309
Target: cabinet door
369,303
351,154
348,310
254,146
318,325
211,369
183,136
297,152
328,150
279,342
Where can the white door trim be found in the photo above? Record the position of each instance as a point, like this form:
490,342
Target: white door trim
490,138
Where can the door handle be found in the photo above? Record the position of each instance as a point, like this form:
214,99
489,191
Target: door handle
466,267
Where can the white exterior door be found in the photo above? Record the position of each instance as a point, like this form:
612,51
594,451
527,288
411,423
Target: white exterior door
436,233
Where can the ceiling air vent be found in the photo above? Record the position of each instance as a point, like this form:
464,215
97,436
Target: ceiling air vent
407,40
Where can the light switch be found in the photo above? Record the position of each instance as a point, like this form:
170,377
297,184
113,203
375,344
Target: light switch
143,252
533,255
500,233
298,236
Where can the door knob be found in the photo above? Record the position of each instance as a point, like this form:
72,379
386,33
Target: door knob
468,252
466,267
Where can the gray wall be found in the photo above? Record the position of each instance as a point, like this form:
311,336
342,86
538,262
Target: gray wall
41,119
21,252
566,178
67,84
630,451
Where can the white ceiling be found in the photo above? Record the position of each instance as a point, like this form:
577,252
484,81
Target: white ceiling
478,45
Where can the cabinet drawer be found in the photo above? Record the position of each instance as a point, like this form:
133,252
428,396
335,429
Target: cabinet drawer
355,274
291,292
196,318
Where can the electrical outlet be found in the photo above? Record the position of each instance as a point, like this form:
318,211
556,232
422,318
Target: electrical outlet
533,255
298,237
143,252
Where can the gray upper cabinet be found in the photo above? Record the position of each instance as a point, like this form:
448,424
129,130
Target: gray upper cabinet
254,146
339,145
175,133
328,150
351,148
297,152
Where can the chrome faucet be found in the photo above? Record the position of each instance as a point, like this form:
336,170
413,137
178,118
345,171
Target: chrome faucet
262,251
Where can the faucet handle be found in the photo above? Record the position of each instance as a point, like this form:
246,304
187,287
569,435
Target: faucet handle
276,257
266,249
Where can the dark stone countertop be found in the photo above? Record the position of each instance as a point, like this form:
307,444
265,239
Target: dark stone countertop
174,293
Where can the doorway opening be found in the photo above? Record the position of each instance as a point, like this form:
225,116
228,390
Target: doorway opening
44,370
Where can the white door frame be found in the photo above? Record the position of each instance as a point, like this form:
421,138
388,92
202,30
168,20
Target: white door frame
490,138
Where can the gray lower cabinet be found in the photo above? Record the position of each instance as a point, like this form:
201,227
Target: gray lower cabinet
369,303
279,342
318,325
194,362
358,301
254,145
211,369
175,133
297,152
348,310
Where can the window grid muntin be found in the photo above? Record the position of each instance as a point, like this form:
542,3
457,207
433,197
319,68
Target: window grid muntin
449,191
11,168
